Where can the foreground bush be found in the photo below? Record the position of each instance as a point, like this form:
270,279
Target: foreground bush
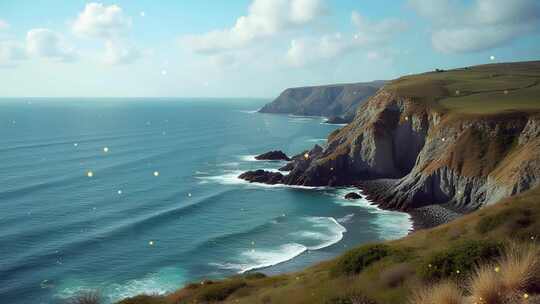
443,293
355,260
512,278
219,291
459,260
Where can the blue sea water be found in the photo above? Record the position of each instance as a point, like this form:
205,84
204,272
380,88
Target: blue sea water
164,205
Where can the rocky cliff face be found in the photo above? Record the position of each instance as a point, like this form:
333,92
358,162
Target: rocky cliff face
339,100
430,157
464,138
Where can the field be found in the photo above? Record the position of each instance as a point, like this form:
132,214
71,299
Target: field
485,89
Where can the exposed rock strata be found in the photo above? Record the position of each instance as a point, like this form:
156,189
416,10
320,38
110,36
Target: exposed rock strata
432,158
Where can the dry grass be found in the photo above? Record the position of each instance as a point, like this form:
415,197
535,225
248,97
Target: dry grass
520,268
486,286
443,293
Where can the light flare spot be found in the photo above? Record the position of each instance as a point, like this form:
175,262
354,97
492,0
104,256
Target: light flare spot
90,174
156,173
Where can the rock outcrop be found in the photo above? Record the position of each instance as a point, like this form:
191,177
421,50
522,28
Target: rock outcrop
340,100
408,151
352,196
262,176
273,155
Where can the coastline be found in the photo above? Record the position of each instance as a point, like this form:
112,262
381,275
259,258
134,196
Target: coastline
425,217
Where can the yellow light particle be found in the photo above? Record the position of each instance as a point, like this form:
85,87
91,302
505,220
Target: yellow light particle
151,243
156,173
497,269
106,149
306,155
189,194
457,92
505,92
457,271
525,296
90,174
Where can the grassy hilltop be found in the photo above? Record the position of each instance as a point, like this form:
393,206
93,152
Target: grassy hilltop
473,259
484,89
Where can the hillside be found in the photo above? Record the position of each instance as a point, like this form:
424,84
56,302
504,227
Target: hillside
386,272
339,100
463,138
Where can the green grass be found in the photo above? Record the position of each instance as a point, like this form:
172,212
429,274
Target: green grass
480,90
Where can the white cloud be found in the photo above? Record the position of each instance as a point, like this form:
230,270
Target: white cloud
265,18
368,34
481,25
117,53
100,21
3,25
11,53
45,43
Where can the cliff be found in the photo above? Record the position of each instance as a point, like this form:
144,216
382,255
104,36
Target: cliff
339,100
464,138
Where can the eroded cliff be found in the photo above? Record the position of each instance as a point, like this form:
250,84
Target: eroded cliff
427,139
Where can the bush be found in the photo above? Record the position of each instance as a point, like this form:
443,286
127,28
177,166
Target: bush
395,275
443,293
355,260
516,218
219,291
350,299
254,276
459,260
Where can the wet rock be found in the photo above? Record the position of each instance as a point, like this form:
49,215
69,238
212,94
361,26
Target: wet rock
352,196
273,155
262,176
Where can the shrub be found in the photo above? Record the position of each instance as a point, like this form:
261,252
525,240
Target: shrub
355,260
485,286
254,276
350,299
219,291
459,260
395,275
520,268
443,293
516,218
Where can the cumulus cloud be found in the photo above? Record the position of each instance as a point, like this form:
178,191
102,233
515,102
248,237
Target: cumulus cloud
100,21
42,42
265,18
367,34
11,53
118,53
480,25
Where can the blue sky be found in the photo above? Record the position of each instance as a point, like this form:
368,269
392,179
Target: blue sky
248,48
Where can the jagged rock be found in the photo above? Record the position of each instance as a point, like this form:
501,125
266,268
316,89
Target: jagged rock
273,155
262,176
288,167
352,196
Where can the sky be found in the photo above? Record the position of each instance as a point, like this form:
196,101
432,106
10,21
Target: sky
248,48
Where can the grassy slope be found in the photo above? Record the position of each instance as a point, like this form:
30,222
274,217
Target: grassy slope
388,280
485,89
476,91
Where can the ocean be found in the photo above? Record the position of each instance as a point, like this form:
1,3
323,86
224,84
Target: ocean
130,196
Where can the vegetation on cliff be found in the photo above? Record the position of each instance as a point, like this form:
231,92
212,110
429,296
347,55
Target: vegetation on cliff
466,138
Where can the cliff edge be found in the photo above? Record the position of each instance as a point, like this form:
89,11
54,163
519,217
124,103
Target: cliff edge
465,138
